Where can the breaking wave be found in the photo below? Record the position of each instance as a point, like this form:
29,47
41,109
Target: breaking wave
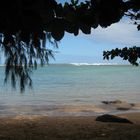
92,64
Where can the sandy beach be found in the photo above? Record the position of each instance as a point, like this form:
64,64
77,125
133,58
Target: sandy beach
72,122
68,128
67,99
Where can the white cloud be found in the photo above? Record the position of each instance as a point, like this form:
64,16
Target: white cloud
123,33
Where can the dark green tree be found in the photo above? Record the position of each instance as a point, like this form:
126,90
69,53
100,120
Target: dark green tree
26,25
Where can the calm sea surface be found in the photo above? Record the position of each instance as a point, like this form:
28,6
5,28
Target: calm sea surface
56,86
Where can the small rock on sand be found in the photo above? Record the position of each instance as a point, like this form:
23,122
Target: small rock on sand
119,105
112,102
112,118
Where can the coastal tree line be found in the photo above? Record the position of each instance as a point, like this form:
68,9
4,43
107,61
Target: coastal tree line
26,26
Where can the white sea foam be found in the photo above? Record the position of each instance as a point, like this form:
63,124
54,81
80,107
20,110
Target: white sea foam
92,64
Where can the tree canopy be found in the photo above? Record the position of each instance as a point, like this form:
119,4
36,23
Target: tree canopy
26,25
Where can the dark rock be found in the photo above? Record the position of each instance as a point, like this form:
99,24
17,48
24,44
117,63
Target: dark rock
112,118
123,108
112,102
132,104
105,102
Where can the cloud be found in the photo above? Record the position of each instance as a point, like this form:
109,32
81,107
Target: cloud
122,33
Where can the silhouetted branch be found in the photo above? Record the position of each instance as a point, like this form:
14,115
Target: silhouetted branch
26,26
22,58
130,54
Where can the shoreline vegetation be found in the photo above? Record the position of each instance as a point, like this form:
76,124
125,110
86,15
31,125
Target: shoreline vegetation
39,127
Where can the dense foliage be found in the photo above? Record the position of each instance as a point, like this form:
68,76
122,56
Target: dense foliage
26,25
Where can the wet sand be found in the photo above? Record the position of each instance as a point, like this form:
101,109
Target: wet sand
108,107
65,122
68,128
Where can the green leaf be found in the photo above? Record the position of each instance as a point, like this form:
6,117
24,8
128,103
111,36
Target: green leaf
73,2
85,28
138,27
58,29
58,35
76,2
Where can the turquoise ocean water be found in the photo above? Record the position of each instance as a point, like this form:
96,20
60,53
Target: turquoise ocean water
56,87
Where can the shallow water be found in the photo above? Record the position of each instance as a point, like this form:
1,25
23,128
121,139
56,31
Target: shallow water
58,86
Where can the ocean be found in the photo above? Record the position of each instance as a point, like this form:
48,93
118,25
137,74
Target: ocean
71,89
